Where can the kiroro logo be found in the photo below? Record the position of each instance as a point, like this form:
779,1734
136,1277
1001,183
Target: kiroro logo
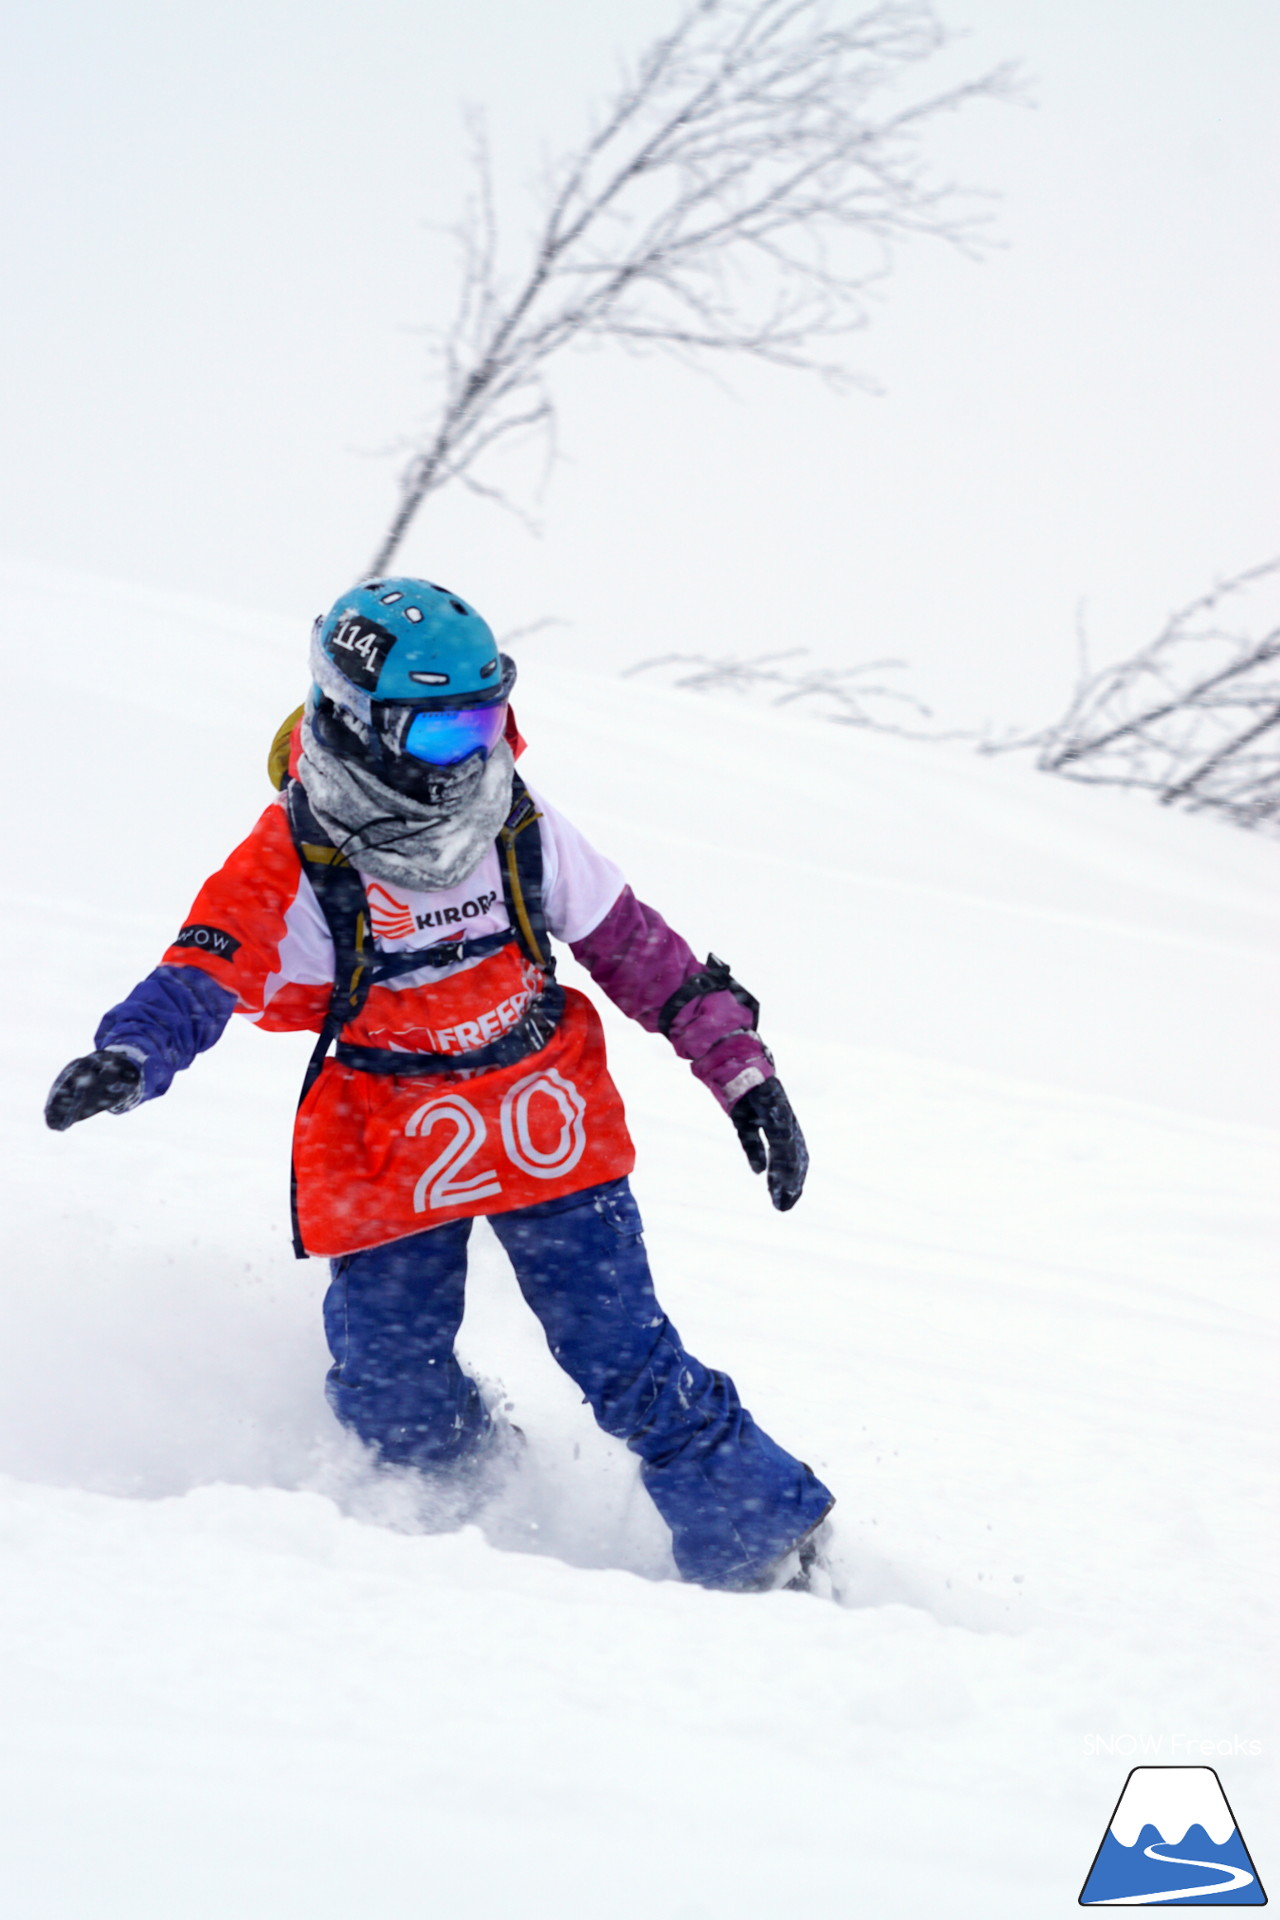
390,918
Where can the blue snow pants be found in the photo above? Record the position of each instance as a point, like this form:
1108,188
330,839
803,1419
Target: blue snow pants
733,1499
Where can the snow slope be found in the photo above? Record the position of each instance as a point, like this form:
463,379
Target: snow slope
1020,1322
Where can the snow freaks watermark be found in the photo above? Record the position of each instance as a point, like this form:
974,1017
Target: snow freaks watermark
1169,1747
1172,1840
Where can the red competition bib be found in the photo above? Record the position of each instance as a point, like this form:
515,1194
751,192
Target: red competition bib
379,1156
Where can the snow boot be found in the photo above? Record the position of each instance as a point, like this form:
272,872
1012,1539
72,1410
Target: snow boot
801,1569
813,1575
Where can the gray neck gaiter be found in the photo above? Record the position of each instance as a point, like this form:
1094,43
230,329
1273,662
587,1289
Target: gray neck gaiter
406,842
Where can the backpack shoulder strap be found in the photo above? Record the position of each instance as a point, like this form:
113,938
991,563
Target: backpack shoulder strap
520,859
338,888
340,892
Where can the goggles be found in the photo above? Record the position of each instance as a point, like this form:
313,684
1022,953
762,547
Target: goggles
442,737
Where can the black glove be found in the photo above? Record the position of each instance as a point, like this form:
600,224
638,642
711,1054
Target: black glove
98,1083
766,1110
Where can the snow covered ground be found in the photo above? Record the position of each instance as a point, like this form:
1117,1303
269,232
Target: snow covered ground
1020,1322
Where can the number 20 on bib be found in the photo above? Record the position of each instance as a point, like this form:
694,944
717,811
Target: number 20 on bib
541,1124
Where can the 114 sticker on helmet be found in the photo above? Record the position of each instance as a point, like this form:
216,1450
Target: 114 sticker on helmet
359,647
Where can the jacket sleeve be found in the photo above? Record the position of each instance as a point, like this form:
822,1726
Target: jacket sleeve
170,1017
255,927
639,961
253,943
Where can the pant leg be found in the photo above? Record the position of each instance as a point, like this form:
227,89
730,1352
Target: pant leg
391,1315
733,1498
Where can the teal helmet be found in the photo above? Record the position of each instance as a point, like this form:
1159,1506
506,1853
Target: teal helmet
407,673
406,640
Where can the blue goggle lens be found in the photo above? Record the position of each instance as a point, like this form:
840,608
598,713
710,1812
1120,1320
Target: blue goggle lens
443,738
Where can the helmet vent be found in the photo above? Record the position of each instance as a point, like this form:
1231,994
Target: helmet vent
389,599
413,613
488,670
430,679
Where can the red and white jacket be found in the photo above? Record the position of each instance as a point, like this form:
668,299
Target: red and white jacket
378,1156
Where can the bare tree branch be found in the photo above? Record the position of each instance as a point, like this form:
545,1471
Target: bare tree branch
742,192
1194,717
849,698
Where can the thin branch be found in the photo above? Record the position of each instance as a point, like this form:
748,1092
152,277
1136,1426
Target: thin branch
1193,717
741,193
853,700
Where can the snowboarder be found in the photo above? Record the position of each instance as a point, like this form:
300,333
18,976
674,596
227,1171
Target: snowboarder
398,896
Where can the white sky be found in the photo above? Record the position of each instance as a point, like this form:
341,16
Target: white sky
217,233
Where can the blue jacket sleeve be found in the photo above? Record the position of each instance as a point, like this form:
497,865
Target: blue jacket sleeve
170,1017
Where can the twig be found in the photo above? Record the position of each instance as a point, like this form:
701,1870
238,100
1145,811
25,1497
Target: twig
742,193
1193,717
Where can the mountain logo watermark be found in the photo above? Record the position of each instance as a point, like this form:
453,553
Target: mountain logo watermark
1172,1842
